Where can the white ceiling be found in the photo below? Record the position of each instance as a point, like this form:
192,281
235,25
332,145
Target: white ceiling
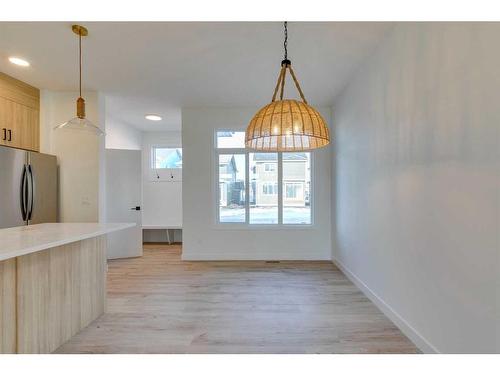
161,67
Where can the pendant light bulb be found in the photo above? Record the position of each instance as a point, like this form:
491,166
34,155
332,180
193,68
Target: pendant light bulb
80,122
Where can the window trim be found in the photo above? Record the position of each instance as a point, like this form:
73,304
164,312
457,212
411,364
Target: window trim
247,225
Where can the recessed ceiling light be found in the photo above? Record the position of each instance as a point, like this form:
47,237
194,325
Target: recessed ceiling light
153,117
18,61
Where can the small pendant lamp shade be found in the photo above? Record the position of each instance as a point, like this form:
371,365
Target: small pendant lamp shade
284,124
80,122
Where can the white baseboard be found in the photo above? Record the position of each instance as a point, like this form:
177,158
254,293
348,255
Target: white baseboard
424,345
215,256
194,253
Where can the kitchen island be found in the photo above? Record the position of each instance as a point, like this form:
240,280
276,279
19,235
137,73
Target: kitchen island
52,283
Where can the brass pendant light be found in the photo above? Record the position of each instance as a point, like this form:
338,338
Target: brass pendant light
80,122
285,124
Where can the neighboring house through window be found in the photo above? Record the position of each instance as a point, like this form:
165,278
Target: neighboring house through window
258,176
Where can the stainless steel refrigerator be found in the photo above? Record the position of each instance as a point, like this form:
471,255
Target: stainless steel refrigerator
28,188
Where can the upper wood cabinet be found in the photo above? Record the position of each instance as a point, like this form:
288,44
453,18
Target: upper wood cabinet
19,114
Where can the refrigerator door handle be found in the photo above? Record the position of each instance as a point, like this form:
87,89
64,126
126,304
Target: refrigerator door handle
24,191
31,195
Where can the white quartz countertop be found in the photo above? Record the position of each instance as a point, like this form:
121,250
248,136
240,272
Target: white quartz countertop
29,239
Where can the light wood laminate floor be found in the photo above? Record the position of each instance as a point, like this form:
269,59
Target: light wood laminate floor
160,304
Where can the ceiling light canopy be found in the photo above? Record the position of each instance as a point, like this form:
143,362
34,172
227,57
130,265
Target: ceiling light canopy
18,61
80,122
285,124
153,117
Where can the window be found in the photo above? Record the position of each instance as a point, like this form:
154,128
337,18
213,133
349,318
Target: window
232,188
269,188
228,139
293,190
297,188
270,167
261,188
166,158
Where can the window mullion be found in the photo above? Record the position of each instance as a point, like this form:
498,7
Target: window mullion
217,187
280,188
247,188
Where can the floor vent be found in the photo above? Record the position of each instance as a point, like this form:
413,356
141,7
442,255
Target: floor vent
272,261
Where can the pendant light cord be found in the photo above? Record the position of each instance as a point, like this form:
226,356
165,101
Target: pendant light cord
80,50
286,64
285,43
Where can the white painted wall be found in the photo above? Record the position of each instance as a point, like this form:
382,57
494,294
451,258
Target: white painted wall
417,183
121,136
202,238
162,199
80,155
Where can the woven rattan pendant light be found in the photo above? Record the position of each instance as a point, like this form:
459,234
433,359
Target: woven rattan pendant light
80,122
285,124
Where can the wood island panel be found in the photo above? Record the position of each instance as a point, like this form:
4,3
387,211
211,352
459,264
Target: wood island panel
8,306
59,291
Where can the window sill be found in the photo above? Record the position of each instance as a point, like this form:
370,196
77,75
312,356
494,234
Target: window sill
253,227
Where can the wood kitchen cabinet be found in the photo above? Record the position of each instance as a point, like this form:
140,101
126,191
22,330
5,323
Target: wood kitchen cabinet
19,114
